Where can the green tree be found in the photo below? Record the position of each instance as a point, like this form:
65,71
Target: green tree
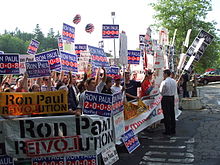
11,44
184,15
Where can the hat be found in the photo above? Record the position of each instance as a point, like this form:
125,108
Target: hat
117,77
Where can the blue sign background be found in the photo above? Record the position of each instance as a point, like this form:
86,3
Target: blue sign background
110,31
79,48
40,69
71,59
97,103
68,32
9,64
130,140
52,56
99,58
134,56
32,48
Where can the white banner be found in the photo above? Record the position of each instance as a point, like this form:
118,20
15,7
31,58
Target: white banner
57,135
140,122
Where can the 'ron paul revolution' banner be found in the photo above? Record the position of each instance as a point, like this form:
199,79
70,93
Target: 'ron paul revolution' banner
57,136
33,103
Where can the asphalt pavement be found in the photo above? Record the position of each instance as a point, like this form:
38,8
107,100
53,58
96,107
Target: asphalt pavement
197,139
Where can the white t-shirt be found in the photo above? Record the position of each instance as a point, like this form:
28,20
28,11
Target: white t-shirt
116,89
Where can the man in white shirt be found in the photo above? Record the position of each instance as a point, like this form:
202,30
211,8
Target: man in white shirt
168,89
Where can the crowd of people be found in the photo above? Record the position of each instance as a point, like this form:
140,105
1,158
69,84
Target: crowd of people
76,85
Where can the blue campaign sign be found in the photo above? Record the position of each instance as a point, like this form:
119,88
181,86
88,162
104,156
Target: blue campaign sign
37,69
6,160
134,56
110,31
60,43
48,161
79,48
52,56
69,62
68,33
117,101
99,58
81,160
131,141
112,71
97,103
9,64
32,48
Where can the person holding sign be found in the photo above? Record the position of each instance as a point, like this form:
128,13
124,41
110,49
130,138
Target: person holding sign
147,85
117,86
72,92
168,89
131,87
91,85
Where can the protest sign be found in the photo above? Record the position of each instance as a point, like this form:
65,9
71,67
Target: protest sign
66,160
163,36
141,38
80,48
37,69
27,103
84,61
110,31
131,141
159,59
23,58
123,51
49,161
112,71
60,43
6,160
119,126
68,33
170,52
52,56
134,56
32,48
99,58
9,64
69,62
202,40
57,136
110,155
97,103
117,103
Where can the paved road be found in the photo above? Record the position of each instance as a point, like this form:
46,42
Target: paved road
197,141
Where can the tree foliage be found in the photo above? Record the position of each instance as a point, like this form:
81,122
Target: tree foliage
18,41
183,15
